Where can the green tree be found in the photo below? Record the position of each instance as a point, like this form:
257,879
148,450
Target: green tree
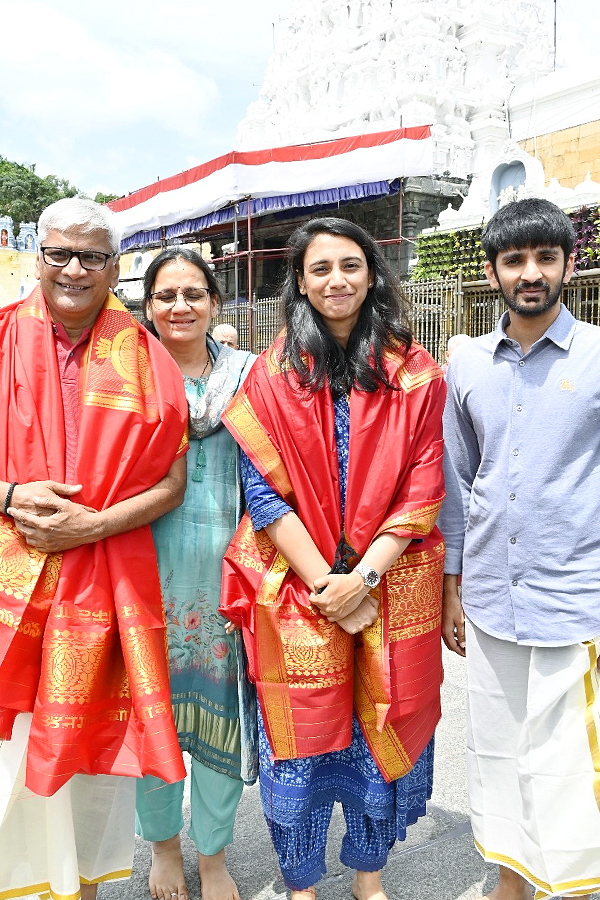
105,198
23,194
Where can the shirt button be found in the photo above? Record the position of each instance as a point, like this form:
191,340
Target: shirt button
514,583
521,362
512,497
519,408
513,540
515,452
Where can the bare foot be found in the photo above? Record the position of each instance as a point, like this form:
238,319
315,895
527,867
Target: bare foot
166,880
88,891
511,886
367,886
217,883
307,894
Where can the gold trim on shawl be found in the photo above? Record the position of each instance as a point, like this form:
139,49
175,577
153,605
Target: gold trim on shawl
410,377
272,362
277,705
72,662
250,549
390,756
110,401
244,421
20,564
121,357
414,594
140,645
31,309
421,521
413,369
185,439
590,715
583,886
372,653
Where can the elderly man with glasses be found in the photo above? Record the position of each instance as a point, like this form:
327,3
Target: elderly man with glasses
91,451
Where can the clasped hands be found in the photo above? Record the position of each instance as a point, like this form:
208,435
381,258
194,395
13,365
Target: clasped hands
345,600
48,520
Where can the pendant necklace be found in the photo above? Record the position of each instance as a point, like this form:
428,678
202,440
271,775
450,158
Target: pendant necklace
198,473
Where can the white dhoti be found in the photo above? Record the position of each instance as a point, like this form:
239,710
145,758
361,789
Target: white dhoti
84,833
533,760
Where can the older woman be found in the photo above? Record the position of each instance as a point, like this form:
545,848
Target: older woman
181,297
337,579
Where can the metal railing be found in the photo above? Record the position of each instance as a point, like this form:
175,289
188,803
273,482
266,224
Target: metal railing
433,305
263,320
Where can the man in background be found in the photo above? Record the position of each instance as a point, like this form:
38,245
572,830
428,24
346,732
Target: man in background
454,342
226,334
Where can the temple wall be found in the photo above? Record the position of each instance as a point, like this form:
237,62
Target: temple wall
16,267
568,154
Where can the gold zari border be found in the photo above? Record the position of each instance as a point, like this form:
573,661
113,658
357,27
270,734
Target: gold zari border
44,890
590,716
421,521
410,382
274,684
243,419
583,886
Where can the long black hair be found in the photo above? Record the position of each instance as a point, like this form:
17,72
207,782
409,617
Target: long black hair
172,254
383,321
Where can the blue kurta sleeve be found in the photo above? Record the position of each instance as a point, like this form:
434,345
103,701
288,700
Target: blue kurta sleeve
264,504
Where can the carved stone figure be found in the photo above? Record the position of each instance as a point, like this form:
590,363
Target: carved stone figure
341,67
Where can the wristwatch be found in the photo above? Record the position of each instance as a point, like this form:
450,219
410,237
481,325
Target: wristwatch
370,577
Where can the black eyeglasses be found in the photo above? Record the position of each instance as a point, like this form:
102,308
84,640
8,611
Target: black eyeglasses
59,257
192,296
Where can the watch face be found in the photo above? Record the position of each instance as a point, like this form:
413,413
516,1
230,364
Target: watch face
369,576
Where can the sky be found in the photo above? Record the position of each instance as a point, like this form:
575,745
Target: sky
113,95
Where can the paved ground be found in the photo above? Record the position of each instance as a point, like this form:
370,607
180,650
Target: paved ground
436,862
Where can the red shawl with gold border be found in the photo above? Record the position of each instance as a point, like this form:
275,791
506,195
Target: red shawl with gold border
309,673
82,633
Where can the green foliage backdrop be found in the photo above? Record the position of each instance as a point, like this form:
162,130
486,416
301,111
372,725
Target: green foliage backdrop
445,253
24,194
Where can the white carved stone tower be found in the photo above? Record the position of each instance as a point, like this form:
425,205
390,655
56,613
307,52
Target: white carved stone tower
342,68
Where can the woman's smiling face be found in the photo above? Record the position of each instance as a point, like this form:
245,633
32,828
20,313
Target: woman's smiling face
181,323
335,279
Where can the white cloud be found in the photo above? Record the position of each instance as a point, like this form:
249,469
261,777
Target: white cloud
119,93
84,86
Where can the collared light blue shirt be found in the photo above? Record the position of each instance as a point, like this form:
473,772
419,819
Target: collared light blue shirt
521,518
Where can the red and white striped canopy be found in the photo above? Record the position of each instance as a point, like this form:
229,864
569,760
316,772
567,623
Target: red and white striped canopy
279,171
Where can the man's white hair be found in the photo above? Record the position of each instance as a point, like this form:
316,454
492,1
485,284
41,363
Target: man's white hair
456,340
84,215
223,331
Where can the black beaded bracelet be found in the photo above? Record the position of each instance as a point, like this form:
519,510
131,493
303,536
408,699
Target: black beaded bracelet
9,494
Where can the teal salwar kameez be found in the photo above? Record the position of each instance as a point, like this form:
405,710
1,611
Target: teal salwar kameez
190,543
